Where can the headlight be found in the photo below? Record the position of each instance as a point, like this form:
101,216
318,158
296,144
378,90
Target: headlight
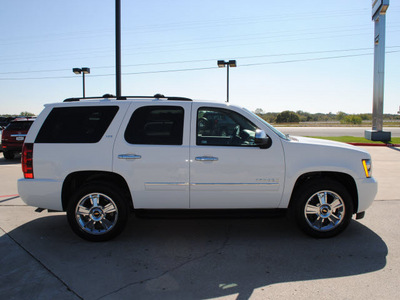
367,167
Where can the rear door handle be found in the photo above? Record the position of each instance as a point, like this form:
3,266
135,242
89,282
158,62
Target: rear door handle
206,158
129,156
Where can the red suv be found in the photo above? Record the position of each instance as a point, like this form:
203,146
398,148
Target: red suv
13,136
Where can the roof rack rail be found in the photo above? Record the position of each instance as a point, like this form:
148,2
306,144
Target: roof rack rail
156,96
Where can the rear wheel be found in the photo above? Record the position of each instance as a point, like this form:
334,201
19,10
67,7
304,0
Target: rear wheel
323,208
97,212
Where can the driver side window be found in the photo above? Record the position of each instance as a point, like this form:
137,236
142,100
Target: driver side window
223,127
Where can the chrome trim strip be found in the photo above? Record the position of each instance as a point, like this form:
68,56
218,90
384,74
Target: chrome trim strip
17,135
166,183
166,186
203,184
206,158
129,156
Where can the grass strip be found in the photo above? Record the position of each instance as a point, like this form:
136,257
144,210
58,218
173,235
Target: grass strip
354,139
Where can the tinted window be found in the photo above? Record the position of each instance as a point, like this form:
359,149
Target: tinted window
156,125
20,125
223,127
76,124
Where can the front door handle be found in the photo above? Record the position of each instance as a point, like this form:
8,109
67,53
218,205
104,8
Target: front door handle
129,156
206,158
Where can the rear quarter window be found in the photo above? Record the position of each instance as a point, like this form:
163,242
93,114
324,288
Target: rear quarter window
76,124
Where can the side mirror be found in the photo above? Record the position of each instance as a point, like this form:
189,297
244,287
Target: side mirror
262,140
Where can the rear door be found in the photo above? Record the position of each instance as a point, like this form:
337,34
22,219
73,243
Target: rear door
152,153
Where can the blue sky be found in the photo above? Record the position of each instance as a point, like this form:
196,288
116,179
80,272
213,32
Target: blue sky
315,56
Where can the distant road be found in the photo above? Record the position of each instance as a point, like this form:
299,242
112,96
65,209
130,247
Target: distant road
333,131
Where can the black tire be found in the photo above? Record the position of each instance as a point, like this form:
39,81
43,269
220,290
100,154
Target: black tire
323,208
8,154
97,212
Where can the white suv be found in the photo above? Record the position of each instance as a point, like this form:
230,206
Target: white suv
97,159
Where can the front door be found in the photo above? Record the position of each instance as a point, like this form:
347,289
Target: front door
227,169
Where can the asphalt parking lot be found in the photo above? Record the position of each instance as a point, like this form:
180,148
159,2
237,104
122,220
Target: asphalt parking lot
262,258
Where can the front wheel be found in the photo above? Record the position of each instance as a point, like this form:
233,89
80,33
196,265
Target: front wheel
323,208
97,212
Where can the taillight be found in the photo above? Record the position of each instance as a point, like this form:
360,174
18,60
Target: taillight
5,135
27,160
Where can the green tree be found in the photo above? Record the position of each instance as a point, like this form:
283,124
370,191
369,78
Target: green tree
366,116
259,111
26,114
351,119
340,115
287,117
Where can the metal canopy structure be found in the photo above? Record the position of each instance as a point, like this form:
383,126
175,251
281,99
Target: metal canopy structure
379,8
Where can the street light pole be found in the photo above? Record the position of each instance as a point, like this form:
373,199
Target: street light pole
82,71
222,64
227,83
118,46
83,85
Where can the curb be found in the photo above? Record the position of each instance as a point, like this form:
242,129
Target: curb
6,196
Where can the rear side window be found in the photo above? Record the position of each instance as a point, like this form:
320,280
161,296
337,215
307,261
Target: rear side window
76,124
156,125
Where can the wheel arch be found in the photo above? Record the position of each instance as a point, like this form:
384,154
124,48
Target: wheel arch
78,179
345,179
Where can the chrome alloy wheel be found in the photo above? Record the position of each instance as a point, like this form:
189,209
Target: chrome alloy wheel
324,210
96,213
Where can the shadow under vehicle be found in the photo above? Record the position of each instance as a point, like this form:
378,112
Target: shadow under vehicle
184,259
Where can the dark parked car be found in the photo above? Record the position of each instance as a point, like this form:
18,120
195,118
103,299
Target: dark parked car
13,136
4,121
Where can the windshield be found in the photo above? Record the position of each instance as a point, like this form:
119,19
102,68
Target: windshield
280,134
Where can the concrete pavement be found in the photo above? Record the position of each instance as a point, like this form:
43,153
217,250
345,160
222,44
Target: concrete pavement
40,258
